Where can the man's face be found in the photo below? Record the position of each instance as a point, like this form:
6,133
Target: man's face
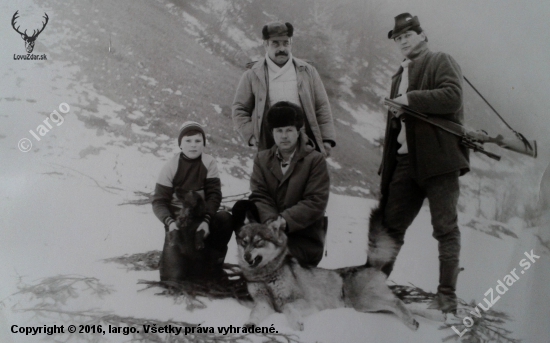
286,138
192,146
278,49
408,41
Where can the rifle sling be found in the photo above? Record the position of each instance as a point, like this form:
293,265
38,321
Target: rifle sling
447,126
518,135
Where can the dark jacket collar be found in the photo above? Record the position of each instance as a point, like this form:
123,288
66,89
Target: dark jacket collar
417,56
419,51
302,150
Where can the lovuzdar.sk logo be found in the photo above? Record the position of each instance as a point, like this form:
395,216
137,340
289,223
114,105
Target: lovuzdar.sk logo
29,40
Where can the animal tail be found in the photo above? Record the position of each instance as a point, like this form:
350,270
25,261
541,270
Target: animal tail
382,247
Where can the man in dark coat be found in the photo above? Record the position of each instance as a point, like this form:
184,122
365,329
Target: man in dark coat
419,160
290,185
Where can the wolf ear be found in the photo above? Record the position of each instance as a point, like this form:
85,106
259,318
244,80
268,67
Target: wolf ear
277,228
200,205
281,235
250,217
180,193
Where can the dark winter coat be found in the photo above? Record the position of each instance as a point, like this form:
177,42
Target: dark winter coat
435,89
300,196
251,95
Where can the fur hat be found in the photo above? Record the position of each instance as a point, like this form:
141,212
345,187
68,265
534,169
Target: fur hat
277,29
283,114
190,128
403,23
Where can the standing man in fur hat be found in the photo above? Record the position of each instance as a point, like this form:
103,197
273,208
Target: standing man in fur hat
419,160
279,76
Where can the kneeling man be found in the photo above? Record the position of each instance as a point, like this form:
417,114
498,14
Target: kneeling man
290,185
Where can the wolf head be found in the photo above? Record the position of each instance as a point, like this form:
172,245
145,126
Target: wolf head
259,244
193,208
190,216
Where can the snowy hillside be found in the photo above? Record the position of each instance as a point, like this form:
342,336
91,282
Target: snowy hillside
357,82
61,201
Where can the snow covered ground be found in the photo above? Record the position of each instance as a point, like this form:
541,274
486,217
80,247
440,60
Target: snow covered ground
61,215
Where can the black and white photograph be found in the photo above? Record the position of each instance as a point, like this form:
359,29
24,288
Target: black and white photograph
312,171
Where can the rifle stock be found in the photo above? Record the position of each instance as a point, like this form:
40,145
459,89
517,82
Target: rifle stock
471,139
520,145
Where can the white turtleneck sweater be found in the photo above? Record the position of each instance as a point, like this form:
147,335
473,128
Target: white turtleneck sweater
283,83
403,86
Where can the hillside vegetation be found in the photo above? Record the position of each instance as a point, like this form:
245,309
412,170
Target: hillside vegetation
182,61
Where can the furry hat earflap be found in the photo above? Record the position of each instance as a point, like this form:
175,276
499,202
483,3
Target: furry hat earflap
277,29
190,128
285,113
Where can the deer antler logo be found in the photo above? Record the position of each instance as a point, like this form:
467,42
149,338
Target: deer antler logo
29,41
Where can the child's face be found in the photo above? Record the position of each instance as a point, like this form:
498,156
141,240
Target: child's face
192,146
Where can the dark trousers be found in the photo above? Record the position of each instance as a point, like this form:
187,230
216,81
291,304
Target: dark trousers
404,201
221,230
306,250
180,261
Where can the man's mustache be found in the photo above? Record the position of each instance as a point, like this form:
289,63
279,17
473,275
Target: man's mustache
281,53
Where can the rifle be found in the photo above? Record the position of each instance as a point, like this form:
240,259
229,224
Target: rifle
472,139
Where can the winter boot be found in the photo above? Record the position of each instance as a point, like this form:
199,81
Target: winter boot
445,299
215,258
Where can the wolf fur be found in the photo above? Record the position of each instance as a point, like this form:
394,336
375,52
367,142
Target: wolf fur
278,283
190,217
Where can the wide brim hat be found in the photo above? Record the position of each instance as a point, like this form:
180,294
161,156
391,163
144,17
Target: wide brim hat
403,23
277,30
